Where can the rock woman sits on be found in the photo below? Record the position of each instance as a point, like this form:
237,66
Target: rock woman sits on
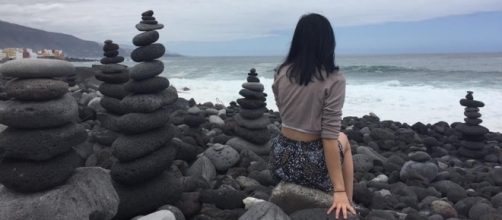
309,91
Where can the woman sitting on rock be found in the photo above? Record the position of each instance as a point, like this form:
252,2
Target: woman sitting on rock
310,91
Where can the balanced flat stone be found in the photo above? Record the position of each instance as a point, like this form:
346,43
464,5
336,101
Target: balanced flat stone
148,13
146,70
40,144
113,90
133,123
108,121
149,22
112,60
250,94
151,85
472,130
472,114
145,103
146,38
113,105
254,136
145,168
471,103
112,68
149,27
36,68
130,147
112,53
473,121
257,87
251,104
241,145
253,79
149,196
30,114
36,89
472,145
147,18
477,154
31,176
117,78
148,53
110,46
252,113
259,123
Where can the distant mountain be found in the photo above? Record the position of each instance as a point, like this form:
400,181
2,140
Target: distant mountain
17,36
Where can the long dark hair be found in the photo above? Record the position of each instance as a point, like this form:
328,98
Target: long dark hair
312,50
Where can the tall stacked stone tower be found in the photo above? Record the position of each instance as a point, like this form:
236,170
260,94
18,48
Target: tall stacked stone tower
252,123
473,134
37,146
113,75
144,150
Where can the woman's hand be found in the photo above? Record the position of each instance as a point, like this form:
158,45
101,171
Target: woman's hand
341,204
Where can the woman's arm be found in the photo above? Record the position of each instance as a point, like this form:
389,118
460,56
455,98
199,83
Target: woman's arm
334,163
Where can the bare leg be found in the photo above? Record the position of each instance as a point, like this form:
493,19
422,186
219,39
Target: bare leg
348,166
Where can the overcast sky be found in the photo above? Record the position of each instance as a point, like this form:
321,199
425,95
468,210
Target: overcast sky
198,26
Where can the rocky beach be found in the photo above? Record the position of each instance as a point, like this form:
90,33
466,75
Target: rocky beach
120,144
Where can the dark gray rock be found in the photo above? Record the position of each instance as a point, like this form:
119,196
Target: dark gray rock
240,144
149,22
130,147
103,136
419,156
497,200
178,215
86,194
133,123
202,167
112,68
29,114
224,198
186,151
110,46
112,60
250,94
149,27
113,90
480,209
452,190
151,85
254,136
251,104
40,144
36,89
362,163
117,78
148,13
145,38
259,123
146,70
444,208
291,197
148,53
31,176
222,156
471,103
257,87
472,121
36,68
145,103
472,130
252,113
413,170
319,214
148,196
189,204
112,53
194,121
112,105
264,210
145,168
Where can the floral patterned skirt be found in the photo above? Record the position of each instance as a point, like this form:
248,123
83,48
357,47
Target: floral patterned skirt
301,163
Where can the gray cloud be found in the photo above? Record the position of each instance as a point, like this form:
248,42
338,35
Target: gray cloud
219,20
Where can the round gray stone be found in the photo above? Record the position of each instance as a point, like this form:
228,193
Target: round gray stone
250,94
146,70
259,123
36,89
425,171
148,53
149,27
113,90
145,168
130,147
145,38
252,113
251,104
37,68
133,123
52,113
145,103
112,105
40,144
419,156
151,85
257,87
261,136
112,68
117,78
222,156
31,176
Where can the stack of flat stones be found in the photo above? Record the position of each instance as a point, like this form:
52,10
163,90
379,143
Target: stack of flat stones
144,149
252,123
37,147
473,134
113,75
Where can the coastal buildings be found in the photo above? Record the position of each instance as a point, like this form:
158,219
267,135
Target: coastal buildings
27,53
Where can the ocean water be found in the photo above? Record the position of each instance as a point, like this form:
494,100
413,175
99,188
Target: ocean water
405,88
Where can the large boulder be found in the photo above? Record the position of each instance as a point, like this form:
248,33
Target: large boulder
291,197
425,172
240,144
263,211
88,194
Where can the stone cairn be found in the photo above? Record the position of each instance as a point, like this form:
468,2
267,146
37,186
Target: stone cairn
113,75
144,150
36,150
473,134
251,121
